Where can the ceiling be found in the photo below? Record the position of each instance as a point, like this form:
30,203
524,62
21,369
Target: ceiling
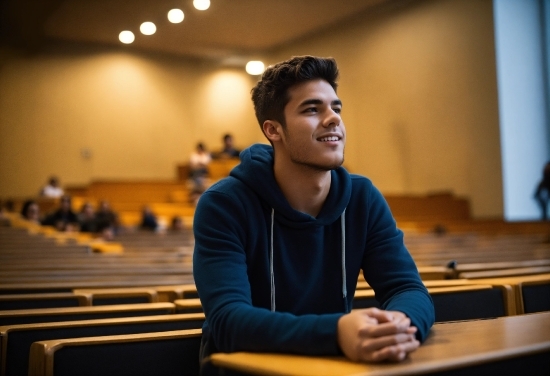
229,28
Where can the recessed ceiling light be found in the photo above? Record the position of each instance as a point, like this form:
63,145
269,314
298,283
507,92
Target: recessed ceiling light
175,16
126,37
148,28
201,4
255,67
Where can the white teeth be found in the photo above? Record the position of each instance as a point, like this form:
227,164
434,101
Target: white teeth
333,138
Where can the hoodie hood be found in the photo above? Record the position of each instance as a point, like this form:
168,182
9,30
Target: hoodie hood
256,171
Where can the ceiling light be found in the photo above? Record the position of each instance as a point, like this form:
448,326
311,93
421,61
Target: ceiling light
126,37
175,16
148,28
201,4
255,67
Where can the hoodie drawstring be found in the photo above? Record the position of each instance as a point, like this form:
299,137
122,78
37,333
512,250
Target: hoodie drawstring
344,287
272,274
271,263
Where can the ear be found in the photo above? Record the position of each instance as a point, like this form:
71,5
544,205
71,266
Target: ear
272,130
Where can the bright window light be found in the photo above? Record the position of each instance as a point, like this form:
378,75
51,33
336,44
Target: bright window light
175,16
255,67
148,28
201,4
126,37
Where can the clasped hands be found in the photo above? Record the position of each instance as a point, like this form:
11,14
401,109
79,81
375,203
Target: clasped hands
374,335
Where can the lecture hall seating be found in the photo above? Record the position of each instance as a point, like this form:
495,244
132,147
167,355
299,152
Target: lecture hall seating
161,353
16,340
472,269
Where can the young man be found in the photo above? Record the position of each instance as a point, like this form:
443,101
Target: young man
280,243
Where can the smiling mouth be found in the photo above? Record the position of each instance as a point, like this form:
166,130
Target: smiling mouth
328,139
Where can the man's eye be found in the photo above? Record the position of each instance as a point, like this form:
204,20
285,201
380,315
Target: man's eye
338,110
310,109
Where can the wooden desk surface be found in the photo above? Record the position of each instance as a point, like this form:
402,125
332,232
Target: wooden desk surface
449,346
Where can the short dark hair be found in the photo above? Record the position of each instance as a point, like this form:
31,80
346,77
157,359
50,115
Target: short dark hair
270,95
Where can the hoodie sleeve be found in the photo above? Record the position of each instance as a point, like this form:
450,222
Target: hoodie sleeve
220,272
391,271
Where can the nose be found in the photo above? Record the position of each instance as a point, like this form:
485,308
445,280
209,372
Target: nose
332,119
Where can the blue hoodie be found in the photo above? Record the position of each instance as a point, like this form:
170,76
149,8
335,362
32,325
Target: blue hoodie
271,278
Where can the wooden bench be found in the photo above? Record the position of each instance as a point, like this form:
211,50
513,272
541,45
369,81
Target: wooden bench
16,340
505,272
44,300
361,285
529,292
457,302
120,296
28,316
534,295
64,286
164,353
498,265
440,206
188,305
426,272
172,293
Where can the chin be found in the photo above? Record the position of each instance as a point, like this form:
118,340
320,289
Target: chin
326,166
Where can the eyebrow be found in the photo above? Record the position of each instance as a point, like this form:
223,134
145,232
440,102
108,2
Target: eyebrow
337,102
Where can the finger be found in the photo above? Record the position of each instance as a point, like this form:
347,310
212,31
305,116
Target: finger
400,352
381,316
375,344
401,320
389,316
395,353
394,316
384,329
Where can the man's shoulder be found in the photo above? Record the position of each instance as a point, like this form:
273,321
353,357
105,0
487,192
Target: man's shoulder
227,184
360,181
231,188
227,198
363,187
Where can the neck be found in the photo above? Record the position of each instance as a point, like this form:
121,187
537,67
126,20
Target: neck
305,188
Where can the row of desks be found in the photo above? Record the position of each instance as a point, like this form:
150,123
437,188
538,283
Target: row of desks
508,345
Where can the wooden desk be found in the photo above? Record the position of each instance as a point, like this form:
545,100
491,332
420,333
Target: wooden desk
516,344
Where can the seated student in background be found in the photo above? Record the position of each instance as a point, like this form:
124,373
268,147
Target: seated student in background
542,194
107,218
87,219
63,219
52,189
228,149
177,224
31,211
148,219
280,243
198,167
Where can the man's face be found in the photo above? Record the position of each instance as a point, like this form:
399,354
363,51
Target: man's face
314,135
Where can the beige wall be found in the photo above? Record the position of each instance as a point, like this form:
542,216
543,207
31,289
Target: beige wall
138,116
418,83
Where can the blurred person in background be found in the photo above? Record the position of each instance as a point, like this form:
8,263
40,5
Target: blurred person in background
148,219
87,219
31,211
52,189
542,194
64,218
107,219
228,149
